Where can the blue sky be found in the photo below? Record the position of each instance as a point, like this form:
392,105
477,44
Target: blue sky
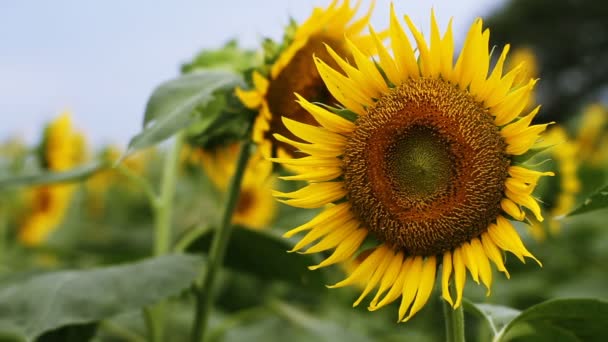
102,59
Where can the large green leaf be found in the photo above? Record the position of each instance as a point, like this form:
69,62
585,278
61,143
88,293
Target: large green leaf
599,200
564,319
172,105
264,254
73,175
45,302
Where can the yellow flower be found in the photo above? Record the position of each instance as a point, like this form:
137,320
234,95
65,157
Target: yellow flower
256,207
61,145
427,166
564,153
592,138
294,72
526,58
62,149
47,207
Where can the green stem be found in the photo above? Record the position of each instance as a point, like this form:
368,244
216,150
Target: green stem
204,293
163,210
3,237
454,322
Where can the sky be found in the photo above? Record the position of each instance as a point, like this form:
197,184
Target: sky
101,59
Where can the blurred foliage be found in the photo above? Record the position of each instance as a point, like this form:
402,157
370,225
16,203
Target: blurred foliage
570,40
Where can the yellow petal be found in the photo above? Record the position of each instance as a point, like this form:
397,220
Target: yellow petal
377,275
338,212
364,271
470,260
493,253
459,275
410,286
427,282
485,272
314,195
397,288
389,277
446,273
314,134
345,250
252,99
400,44
512,209
327,119
387,63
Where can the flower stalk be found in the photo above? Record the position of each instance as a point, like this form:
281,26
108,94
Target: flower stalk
454,322
163,210
204,292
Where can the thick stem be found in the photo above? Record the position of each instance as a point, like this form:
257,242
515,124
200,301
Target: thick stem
163,210
454,322
205,293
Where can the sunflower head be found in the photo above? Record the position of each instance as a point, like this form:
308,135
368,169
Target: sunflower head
563,152
62,147
592,138
47,207
273,96
255,207
427,166
526,58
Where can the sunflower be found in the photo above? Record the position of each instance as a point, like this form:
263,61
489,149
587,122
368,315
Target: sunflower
425,164
592,138
273,94
525,57
62,148
256,207
564,153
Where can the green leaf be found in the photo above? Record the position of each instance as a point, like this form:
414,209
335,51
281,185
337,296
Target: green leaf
599,200
172,105
320,329
584,319
496,316
45,302
229,122
229,57
264,254
73,175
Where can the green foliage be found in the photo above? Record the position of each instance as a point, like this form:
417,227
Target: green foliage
264,255
44,302
192,99
564,319
228,57
565,36
597,201
46,177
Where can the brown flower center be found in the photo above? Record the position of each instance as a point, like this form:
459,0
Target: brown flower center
245,202
425,168
300,76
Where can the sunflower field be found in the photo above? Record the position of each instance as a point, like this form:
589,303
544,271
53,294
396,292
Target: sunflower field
347,182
